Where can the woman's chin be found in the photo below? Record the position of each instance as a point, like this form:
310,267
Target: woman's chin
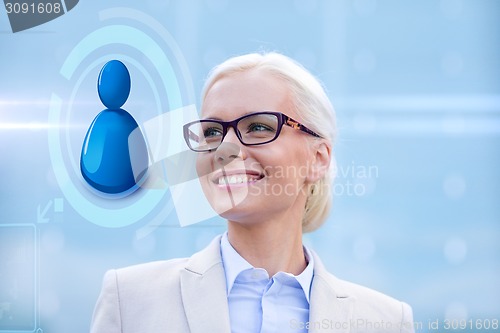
231,201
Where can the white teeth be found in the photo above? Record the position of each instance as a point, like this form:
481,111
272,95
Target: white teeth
239,179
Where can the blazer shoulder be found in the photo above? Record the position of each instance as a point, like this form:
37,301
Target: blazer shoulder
136,298
371,305
154,266
148,287
365,294
146,291
151,272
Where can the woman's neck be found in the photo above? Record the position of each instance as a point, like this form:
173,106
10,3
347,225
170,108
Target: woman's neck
273,245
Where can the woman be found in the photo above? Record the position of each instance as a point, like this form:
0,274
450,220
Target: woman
264,147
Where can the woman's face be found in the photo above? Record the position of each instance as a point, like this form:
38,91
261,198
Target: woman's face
250,184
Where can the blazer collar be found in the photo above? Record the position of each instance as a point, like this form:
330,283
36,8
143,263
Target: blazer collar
204,295
203,290
330,307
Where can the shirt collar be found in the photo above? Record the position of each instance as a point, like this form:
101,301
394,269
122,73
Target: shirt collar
234,264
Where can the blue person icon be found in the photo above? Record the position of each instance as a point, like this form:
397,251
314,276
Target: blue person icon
114,158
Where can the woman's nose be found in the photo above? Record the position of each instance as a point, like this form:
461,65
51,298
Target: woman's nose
225,153
229,149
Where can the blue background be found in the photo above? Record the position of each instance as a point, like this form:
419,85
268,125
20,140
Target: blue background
416,87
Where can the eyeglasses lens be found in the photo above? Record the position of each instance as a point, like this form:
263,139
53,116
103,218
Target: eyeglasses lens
254,129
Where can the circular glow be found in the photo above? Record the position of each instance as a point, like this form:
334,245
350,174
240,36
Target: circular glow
134,209
98,215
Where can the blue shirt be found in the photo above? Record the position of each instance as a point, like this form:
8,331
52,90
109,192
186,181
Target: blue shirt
260,304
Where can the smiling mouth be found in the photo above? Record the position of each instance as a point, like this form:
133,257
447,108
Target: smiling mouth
238,179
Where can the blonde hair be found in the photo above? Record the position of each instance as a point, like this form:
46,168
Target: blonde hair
311,103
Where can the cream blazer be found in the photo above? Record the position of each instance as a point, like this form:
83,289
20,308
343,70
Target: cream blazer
189,295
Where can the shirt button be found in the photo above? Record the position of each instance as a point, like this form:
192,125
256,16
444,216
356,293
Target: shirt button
255,275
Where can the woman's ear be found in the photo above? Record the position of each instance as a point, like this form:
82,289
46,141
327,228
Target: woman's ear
322,156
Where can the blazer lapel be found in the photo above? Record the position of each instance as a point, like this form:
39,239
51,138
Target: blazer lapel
203,289
331,308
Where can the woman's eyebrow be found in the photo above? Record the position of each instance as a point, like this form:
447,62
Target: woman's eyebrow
212,118
242,115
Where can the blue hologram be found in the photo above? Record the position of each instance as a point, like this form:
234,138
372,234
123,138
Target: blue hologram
110,162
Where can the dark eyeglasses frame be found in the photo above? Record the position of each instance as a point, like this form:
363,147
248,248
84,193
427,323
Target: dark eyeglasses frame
282,120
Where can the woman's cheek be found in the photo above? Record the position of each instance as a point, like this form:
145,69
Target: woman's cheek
203,165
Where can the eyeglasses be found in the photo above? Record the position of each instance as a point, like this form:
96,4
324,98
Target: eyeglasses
252,129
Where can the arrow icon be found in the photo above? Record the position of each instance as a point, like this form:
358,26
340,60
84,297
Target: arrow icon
40,216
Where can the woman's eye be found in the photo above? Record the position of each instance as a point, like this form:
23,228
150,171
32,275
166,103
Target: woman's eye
259,128
211,132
